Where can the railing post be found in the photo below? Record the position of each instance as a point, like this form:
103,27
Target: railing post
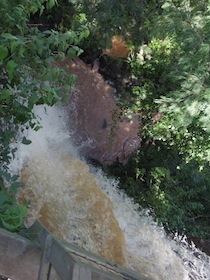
45,266
81,273
70,262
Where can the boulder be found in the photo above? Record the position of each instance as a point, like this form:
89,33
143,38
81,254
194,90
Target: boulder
99,128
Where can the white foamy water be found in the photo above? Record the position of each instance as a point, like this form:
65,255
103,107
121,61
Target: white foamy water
79,203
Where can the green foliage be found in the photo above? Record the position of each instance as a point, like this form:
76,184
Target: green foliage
187,105
11,213
174,68
152,63
180,198
28,77
170,174
176,193
104,18
120,17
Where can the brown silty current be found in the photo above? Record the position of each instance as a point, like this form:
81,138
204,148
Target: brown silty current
72,208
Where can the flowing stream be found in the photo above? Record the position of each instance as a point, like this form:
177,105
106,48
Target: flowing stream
78,203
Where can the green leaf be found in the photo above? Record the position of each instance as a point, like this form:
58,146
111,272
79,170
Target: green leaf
33,99
50,4
166,5
3,52
5,95
86,33
13,217
11,67
4,197
26,141
78,50
14,45
50,98
71,53
41,10
9,36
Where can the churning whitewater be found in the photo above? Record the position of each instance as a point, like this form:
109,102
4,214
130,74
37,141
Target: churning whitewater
78,203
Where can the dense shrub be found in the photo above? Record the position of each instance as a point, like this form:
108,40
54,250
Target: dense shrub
170,174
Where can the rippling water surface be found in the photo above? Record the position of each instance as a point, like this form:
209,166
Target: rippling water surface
78,203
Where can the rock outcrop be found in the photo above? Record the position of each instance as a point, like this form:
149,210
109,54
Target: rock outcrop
118,48
98,126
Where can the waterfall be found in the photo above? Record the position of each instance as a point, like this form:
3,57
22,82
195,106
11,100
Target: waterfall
78,203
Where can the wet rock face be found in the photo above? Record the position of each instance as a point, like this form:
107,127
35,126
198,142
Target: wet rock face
98,126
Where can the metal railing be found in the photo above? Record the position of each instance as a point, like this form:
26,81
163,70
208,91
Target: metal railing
71,262
61,260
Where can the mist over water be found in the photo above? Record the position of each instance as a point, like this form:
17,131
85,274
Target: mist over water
78,203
